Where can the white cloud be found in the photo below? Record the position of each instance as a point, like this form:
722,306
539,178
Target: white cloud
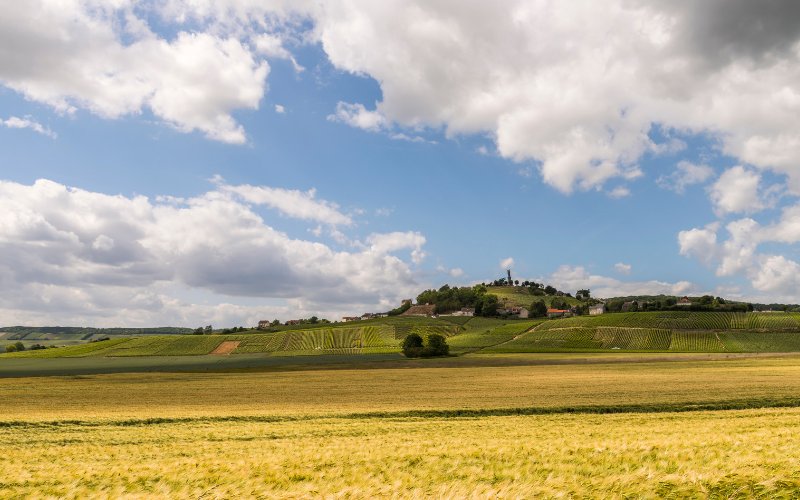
736,191
507,263
738,254
619,192
686,174
356,115
384,211
621,268
579,93
70,253
291,203
28,122
279,108
455,272
570,279
71,55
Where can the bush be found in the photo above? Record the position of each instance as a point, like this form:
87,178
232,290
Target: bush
11,348
20,346
436,345
412,345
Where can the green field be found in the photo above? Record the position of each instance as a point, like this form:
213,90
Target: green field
685,429
648,331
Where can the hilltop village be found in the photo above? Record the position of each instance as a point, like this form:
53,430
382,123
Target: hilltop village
512,299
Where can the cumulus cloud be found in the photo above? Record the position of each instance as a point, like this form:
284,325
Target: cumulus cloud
736,191
577,96
28,122
507,263
102,57
279,108
569,278
356,115
93,255
621,268
738,254
686,174
580,93
291,203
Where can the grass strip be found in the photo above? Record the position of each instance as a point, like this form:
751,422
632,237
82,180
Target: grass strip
694,406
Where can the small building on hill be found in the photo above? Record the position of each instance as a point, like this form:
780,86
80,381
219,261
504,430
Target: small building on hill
293,322
263,324
368,316
597,309
555,313
684,302
347,319
518,311
626,306
426,310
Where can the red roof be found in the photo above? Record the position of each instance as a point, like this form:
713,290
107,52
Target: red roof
555,311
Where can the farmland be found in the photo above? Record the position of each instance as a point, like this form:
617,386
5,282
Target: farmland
513,432
646,331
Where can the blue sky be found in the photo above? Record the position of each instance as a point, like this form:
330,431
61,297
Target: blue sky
331,161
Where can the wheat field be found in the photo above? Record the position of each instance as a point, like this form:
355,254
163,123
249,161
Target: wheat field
443,433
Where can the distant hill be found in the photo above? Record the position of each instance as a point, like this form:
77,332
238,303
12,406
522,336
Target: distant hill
82,333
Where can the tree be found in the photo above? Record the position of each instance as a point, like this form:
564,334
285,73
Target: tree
11,348
585,293
199,331
411,345
634,307
785,308
558,303
313,320
549,290
20,346
275,322
435,345
208,330
516,282
489,307
538,308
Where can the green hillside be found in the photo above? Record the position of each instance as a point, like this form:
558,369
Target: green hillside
648,331
520,296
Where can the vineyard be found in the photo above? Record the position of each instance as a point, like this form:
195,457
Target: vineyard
680,331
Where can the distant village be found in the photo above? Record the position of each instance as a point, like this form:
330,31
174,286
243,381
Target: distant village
440,303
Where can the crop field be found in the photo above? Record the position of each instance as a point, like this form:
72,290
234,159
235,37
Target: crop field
695,341
576,431
771,321
742,341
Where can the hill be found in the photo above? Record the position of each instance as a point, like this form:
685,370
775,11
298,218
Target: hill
646,331
521,296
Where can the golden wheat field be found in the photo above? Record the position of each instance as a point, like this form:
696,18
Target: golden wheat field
355,434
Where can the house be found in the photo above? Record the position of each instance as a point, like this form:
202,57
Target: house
502,312
518,311
598,309
684,302
380,315
293,322
467,311
426,310
553,313
368,316
559,293
350,318
263,324
626,306
404,301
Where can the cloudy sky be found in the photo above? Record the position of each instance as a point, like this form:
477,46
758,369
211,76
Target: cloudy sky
186,162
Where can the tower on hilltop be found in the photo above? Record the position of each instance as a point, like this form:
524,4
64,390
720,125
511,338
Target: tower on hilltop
509,277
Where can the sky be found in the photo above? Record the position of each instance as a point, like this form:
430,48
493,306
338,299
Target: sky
194,162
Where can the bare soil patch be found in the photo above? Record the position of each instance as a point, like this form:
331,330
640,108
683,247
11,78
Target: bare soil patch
225,348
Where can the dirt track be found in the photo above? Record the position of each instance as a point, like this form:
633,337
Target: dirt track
225,348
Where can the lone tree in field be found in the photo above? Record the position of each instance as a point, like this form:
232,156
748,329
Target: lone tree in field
411,345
